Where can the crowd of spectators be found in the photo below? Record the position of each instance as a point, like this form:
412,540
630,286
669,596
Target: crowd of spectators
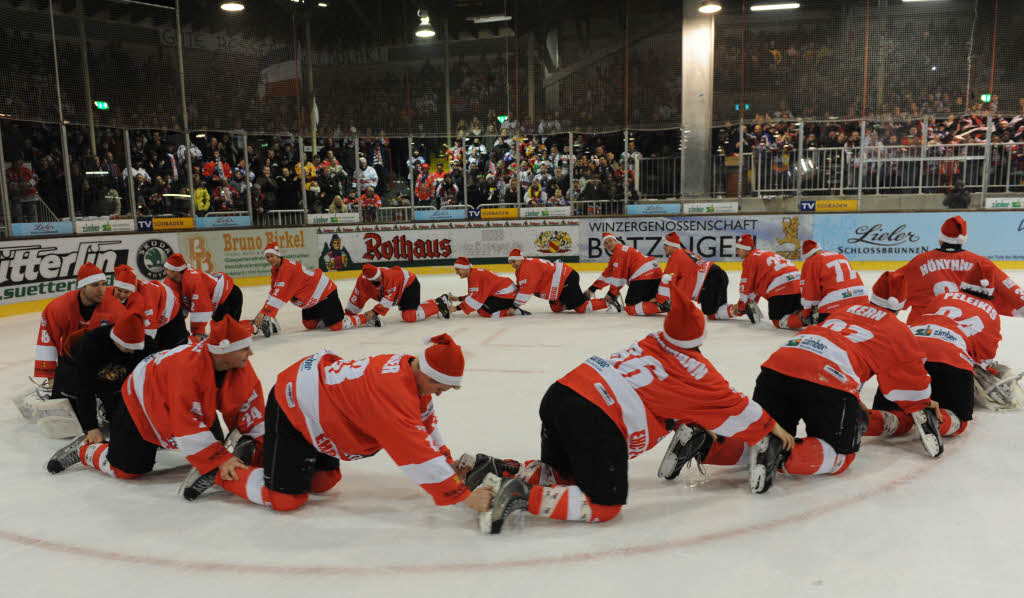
951,148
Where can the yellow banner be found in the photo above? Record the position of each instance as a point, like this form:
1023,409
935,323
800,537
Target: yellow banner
173,224
494,213
835,205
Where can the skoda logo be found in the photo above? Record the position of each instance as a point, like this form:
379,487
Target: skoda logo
151,256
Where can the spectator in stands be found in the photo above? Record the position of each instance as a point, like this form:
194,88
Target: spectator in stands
337,206
268,188
448,192
476,193
288,190
308,170
535,195
50,185
351,201
225,197
201,199
366,176
370,202
216,166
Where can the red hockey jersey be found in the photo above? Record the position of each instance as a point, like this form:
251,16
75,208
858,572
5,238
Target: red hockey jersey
393,282
687,265
62,318
295,283
484,284
201,294
627,265
643,386
173,398
829,282
936,272
958,329
541,278
161,305
855,343
351,409
767,274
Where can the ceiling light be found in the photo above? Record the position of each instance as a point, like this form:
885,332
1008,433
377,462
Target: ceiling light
709,7
490,19
781,6
322,4
424,29
919,0
232,7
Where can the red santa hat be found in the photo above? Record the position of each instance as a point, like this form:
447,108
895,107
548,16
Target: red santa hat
979,281
809,248
124,278
672,240
229,335
272,249
890,291
462,263
175,263
953,231
129,332
515,254
684,325
88,273
371,272
607,235
745,242
442,361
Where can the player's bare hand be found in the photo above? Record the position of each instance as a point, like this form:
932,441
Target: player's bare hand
258,320
480,499
589,294
453,298
229,467
937,409
787,439
94,436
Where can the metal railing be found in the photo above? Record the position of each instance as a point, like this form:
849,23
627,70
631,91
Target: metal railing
283,218
598,207
395,214
658,177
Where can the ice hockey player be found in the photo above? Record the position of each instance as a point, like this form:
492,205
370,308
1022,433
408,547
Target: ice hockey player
204,297
608,411
769,275
940,271
308,289
163,315
104,357
817,376
828,283
711,283
957,332
171,401
555,282
394,286
489,295
325,409
627,266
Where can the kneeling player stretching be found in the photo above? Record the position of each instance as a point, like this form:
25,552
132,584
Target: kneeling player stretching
627,266
391,286
555,281
489,295
608,411
957,332
309,289
325,408
171,400
769,275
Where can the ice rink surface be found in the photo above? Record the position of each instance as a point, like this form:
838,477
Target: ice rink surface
895,524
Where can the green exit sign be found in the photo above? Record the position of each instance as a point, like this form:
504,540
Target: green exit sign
101,105
986,97
502,118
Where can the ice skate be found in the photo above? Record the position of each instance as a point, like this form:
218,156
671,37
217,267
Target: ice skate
927,424
196,483
665,306
66,456
373,320
521,312
614,304
753,313
444,306
511,496
688,443
765,458
480,465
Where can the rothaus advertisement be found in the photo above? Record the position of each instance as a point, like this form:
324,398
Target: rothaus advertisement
899,237
38,269
347,248
711,237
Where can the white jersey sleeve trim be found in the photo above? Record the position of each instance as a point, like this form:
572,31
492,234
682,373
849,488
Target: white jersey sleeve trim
738,423
46,353
434,471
